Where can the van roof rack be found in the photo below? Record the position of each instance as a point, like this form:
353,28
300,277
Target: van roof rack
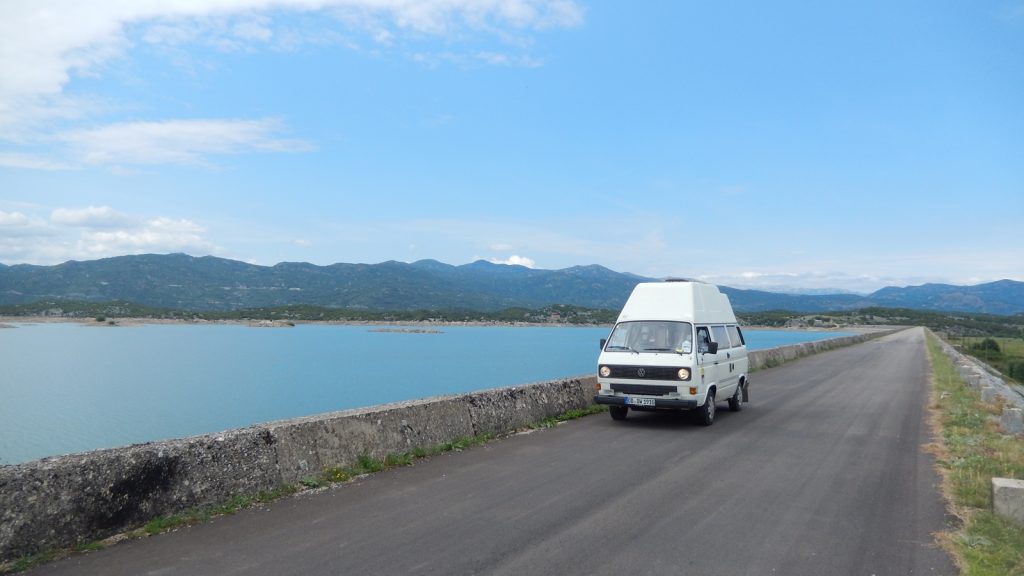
683,280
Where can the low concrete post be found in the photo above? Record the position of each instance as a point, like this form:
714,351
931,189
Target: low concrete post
988,394
1012,420
1008,498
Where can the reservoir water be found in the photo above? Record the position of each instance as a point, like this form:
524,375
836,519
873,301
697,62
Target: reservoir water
68,388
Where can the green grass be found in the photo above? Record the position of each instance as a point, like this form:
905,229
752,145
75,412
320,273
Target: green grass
972,450
32,561
203,514
570,415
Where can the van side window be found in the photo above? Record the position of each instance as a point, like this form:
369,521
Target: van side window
721,336
736,336
703,339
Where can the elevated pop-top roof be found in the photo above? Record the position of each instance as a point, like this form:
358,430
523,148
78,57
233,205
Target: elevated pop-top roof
680,301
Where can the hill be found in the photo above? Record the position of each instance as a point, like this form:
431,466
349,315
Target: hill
183,282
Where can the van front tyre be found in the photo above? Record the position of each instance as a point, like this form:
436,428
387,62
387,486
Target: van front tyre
736,402
618,412
706,414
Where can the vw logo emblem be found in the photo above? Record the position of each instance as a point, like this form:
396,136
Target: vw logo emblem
640,372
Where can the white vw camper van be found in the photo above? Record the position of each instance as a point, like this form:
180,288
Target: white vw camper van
675,346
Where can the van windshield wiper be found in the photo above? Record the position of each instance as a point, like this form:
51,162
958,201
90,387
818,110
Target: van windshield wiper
630,348
657,350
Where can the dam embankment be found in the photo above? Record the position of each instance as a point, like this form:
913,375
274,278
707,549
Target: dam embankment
67,500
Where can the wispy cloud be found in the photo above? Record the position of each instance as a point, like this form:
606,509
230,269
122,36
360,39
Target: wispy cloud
176,141
90,217
31,161
45,44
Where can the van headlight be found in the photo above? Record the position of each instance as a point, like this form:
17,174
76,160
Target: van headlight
684,373
605,371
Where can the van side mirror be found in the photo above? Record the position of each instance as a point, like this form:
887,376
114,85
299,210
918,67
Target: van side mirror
603,342
712,347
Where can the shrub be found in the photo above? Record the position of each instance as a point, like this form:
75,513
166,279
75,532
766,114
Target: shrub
988,345
1015,370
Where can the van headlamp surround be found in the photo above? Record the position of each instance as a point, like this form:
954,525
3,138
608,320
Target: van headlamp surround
604,371
684,373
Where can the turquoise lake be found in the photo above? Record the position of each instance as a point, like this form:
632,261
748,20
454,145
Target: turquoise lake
68,388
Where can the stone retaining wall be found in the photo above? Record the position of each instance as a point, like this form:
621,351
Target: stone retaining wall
62,501
992,387
777,356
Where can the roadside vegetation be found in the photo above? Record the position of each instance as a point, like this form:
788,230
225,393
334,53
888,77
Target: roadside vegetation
1004,354
970,450
334,475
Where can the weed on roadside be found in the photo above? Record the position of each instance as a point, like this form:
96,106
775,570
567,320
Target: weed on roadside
970,450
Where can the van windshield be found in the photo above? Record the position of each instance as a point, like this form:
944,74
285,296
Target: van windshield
651,336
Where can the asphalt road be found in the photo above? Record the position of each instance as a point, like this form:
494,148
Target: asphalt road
821,474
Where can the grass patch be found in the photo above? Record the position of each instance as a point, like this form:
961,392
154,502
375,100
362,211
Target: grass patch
29,562
570,415
972,450
199,515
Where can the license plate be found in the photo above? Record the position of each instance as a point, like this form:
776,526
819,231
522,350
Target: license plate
639,401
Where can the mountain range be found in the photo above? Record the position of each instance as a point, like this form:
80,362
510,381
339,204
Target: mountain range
180,281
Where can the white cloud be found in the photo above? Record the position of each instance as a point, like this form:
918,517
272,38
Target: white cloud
91,217
176,141
30,161
515,261
433,59
95,232
254,29
156,235
45,43
10,222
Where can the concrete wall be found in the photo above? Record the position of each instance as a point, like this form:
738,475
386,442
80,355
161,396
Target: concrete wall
62,501
771,357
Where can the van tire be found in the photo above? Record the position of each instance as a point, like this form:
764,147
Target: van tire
736,402
618,412
706,413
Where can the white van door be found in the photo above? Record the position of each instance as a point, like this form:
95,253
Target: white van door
728,375
708,367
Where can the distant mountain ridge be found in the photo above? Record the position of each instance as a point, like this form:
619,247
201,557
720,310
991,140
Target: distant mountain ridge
209,283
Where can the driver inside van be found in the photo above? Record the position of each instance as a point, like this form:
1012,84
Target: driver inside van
703,340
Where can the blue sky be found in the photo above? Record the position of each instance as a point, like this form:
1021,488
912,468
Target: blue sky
752,144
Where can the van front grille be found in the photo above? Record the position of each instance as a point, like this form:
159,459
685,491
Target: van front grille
645,389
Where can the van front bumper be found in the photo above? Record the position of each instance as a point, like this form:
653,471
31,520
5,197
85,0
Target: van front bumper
659,403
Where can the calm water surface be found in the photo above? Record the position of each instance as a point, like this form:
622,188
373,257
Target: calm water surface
68,388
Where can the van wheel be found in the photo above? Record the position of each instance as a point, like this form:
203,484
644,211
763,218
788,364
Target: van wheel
618,412
736,402
706,414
